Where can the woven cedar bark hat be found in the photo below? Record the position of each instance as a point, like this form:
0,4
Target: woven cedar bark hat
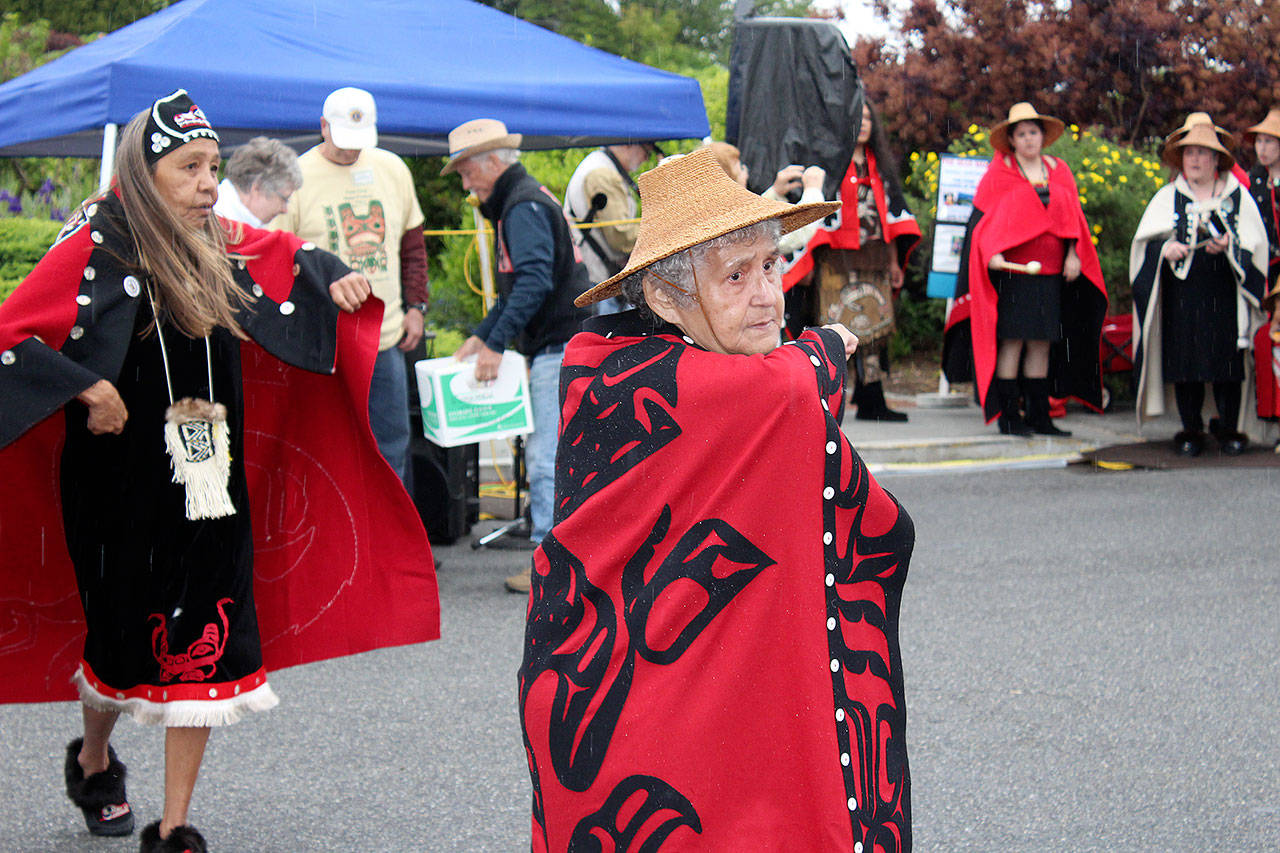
1203,133
476,137
1224,136
1023,111
1269,125
690,200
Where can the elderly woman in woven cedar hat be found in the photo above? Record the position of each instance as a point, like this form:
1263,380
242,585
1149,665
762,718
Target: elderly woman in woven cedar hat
1198,270
711,657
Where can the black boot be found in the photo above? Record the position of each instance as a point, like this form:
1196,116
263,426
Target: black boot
869,398
183,839
1010,421
1188,442
1038,408
101,796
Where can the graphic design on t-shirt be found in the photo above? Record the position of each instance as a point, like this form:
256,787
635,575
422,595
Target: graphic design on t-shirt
363,244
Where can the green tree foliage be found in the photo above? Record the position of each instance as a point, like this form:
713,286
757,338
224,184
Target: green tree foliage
592,22
678,35
22,46
43,187
85,16
23,242
1134,68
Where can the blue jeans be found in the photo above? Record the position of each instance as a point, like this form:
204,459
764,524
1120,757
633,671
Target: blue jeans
540,446
389,409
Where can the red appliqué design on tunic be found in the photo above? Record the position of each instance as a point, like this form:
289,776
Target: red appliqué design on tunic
200,660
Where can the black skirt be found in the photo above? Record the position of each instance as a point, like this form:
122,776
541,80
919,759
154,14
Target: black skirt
1199,323
1029,306
172,628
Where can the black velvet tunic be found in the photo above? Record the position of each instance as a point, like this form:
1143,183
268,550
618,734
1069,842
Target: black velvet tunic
167,601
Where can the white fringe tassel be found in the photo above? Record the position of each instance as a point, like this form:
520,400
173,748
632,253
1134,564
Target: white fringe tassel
187,713
199,445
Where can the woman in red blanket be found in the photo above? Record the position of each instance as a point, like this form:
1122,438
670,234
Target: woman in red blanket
711,656
1030,293
149,371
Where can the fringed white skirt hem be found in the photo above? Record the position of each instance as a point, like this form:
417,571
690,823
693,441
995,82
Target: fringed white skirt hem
194,713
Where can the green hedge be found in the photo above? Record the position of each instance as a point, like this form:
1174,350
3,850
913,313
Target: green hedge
23,242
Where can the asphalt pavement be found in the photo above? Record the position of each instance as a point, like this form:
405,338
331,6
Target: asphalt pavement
1092,663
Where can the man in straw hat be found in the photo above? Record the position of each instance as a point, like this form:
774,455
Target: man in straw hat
711,657
1198,271
1264,187
540,272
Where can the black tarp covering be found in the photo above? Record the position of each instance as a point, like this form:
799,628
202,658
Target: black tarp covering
794,97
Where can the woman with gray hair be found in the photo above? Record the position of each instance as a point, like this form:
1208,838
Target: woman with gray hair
261,176
711,655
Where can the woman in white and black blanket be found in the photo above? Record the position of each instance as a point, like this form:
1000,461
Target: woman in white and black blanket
1198,271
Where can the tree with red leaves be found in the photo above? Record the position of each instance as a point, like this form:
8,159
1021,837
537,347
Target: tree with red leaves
1133,67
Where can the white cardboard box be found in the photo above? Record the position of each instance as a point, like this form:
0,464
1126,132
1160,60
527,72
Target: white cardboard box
456,411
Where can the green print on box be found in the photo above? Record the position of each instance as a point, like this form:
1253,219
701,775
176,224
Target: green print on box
473,414
455,410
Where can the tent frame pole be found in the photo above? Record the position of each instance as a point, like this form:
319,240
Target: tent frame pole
108,156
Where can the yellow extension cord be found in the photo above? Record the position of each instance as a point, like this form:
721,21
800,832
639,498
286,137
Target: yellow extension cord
488,232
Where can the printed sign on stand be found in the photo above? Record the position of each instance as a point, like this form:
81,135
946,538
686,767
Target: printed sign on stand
958,179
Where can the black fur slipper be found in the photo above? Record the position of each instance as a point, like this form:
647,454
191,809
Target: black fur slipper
101,796
183,839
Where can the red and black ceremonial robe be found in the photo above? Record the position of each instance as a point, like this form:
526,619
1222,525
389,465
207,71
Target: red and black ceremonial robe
711,655
1008,213
840,230
341,561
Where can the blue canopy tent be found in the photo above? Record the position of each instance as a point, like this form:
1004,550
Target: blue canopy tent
265,68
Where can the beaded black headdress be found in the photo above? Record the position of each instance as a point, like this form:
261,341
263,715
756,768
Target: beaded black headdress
175,120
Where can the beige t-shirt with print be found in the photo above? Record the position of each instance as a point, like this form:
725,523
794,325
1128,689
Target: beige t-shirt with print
359,212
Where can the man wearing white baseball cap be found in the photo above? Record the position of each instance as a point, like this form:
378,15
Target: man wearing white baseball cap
357,201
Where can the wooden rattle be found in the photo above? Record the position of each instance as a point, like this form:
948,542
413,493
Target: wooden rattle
1030,268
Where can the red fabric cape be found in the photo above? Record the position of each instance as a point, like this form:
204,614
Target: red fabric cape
342,563
1012,214
713,619
1265,379
844,233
